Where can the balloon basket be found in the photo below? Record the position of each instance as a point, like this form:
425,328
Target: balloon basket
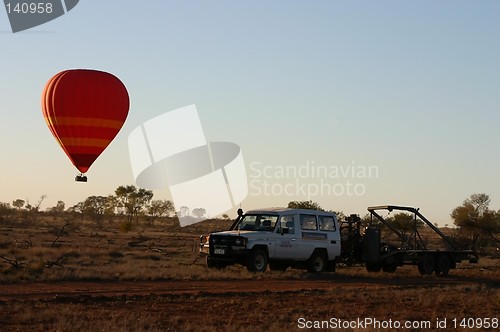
81,178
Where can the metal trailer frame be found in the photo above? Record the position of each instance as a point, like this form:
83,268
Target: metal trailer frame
413,250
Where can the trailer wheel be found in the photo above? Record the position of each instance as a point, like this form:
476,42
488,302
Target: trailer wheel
373,267
443,265
426,265
390,268
257,261
317,263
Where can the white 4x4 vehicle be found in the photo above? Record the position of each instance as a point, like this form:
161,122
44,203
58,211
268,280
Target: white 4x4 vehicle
278,237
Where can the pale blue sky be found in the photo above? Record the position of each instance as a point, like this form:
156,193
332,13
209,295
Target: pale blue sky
411,87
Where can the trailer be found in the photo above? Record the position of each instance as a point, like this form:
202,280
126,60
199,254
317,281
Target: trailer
368,249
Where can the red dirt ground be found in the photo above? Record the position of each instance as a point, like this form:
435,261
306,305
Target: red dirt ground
217,305
46,291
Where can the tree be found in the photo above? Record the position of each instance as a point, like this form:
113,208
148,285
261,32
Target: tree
475,218
95,206
199,212
5,210
340,215
78,208
57,210
309,205
405,222
133,200
491,226
160,208
34,209
18,203
110,207
368,220
183,212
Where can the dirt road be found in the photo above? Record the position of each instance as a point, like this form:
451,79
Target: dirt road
243,305
51,290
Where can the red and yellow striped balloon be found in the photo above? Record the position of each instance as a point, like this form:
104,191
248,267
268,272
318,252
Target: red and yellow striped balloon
84,109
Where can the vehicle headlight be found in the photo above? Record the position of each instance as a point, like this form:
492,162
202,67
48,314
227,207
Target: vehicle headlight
239,241
204,239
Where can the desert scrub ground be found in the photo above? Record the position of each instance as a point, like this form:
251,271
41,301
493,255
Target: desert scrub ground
51,250
75,250
75,276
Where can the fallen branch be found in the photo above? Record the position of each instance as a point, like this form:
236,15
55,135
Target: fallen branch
139,241
14,263
60,233
196,260
57,262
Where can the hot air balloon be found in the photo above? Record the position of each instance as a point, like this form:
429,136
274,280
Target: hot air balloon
84,109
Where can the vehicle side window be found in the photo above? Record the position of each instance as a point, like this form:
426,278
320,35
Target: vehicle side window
308,222
327,223
288,224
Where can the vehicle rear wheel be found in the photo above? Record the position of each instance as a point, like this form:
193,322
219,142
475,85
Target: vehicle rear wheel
443,265
426,265
331,266
257,261
317,263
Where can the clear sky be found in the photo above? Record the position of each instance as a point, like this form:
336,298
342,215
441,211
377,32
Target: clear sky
408,88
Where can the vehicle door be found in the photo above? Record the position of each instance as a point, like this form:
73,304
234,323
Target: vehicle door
310,238
328,226
286,240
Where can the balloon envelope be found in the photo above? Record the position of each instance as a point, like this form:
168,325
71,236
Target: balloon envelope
84,109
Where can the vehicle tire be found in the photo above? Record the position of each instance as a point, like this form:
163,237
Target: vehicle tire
389,268
331,266
278,266
443,265
317,263
211,264
373,267
257,261
427,264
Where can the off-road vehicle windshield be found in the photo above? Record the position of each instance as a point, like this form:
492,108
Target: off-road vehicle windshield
259,222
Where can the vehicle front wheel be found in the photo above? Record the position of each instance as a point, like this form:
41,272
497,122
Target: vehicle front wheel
257,261
211,264
317,262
